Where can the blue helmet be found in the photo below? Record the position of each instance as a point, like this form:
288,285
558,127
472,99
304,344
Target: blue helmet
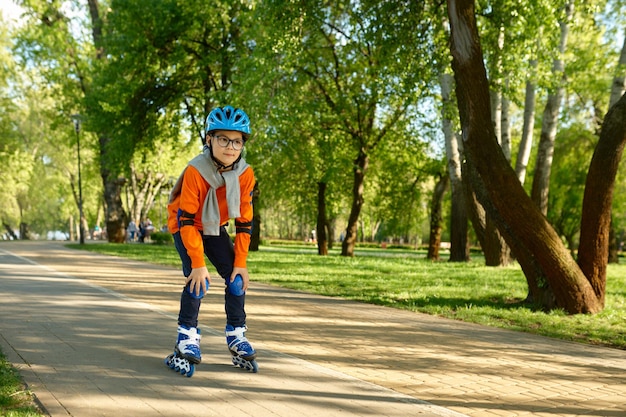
228,118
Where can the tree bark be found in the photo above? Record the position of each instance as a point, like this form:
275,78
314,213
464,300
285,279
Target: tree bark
322,243
495,249
505,129
360,167
543,165
436,217
459,243
596,218
536,245
617,89
116,218
525,145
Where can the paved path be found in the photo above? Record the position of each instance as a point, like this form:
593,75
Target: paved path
89,333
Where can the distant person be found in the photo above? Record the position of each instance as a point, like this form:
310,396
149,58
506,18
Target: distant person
148,228
216,186
142,232
132,230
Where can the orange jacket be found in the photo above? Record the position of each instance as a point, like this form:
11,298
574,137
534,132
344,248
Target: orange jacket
191,198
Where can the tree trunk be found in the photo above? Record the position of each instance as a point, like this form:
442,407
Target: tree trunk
330,232
596,218
24,231
322,244
360,167
537,246
613,245
116,218
475,212
495,249
526,144
436,217
494,246
618,86
505,130
496,112
459,243
543,166
617,90
10,230
144,189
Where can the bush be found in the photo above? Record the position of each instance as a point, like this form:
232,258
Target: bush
161,238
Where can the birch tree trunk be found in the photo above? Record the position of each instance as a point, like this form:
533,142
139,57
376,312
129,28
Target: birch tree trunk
619,86
505,129
543,166
526,143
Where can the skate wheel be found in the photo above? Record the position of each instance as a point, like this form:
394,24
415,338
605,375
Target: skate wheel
251,366
255,366
180,365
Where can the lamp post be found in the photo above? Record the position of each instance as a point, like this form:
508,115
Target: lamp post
76,119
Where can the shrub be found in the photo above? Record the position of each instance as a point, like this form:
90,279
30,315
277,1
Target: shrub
161,238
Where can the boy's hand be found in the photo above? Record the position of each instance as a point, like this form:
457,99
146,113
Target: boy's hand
244,276
197,280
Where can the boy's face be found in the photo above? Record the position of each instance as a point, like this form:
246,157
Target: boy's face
227,146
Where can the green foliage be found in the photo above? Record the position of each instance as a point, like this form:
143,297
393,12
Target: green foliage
321,81
344,82
161,238
572,155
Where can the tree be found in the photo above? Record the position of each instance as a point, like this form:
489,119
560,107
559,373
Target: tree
171,65
354,55
436,216
536,245
459,242
541,179
67,55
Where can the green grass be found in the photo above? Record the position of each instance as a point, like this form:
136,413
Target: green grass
404,279
15,400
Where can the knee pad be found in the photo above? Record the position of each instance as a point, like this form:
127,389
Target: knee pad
236,287
193,293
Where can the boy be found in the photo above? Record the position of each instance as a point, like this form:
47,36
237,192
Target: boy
215,186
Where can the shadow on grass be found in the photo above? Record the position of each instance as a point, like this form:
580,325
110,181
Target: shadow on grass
451,304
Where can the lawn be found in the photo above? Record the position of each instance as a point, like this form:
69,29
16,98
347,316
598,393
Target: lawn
404,279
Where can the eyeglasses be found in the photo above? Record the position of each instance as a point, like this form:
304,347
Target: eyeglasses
223,141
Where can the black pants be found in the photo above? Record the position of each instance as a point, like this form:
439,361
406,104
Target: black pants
220,251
